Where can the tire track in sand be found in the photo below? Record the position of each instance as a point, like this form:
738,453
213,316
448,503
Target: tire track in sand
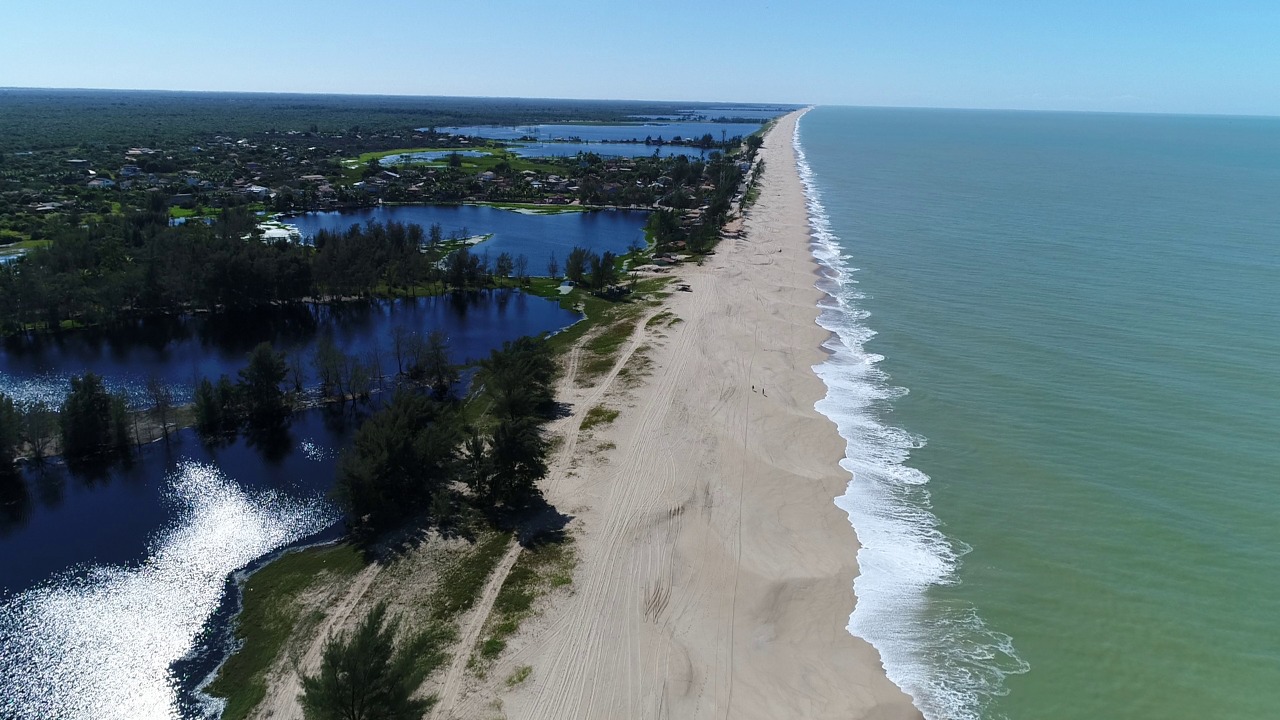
449,699
471,633
282,699
583,644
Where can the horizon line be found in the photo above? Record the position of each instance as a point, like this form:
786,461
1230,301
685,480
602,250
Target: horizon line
794,105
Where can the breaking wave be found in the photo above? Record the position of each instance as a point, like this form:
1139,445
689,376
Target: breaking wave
943,655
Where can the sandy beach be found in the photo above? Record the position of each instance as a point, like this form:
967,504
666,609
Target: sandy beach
715,573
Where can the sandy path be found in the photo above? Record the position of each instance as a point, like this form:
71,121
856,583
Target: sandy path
282,697
715,571
455,686
453,680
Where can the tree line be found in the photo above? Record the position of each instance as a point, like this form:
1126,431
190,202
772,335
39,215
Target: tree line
138,264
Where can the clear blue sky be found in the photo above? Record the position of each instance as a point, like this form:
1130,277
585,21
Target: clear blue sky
1139,55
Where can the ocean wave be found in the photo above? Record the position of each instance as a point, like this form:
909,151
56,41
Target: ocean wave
943,656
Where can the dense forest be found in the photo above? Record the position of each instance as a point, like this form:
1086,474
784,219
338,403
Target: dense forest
37,119
138,264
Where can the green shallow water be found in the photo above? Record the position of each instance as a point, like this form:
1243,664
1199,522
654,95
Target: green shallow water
1085,310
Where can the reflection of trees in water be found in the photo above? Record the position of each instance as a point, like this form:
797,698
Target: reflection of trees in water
365,325
274,443
284,326
44,483
15,503
160,346
232,332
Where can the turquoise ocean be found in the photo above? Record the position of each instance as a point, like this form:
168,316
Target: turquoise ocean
1056,361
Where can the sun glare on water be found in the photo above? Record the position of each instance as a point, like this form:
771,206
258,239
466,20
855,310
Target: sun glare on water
99,643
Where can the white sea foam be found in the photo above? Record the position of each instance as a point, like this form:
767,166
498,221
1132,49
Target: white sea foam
100,646
944,656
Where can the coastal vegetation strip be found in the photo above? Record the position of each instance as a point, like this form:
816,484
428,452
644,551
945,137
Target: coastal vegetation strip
272,611
543,567
539,209
279,623
540,569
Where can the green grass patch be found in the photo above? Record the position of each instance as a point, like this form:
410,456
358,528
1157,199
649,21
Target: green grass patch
537,570
652,285
272,613
269,616
492,648
603,348
618,318
20,244
520,675
536,208
598,415
462,581
364,158
660,319
612,338
495,155
199,211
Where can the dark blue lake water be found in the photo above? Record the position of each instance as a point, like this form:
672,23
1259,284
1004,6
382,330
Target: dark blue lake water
611,149
536,236
108,579
180,349
598,133
561,149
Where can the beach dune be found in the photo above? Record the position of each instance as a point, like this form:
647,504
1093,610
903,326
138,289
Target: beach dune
715,571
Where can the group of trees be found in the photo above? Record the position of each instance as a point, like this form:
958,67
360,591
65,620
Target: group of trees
665,226
594,271
257,401
94,425
363,676
140,265
34,427
422,360
266,390
420,453
91,425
